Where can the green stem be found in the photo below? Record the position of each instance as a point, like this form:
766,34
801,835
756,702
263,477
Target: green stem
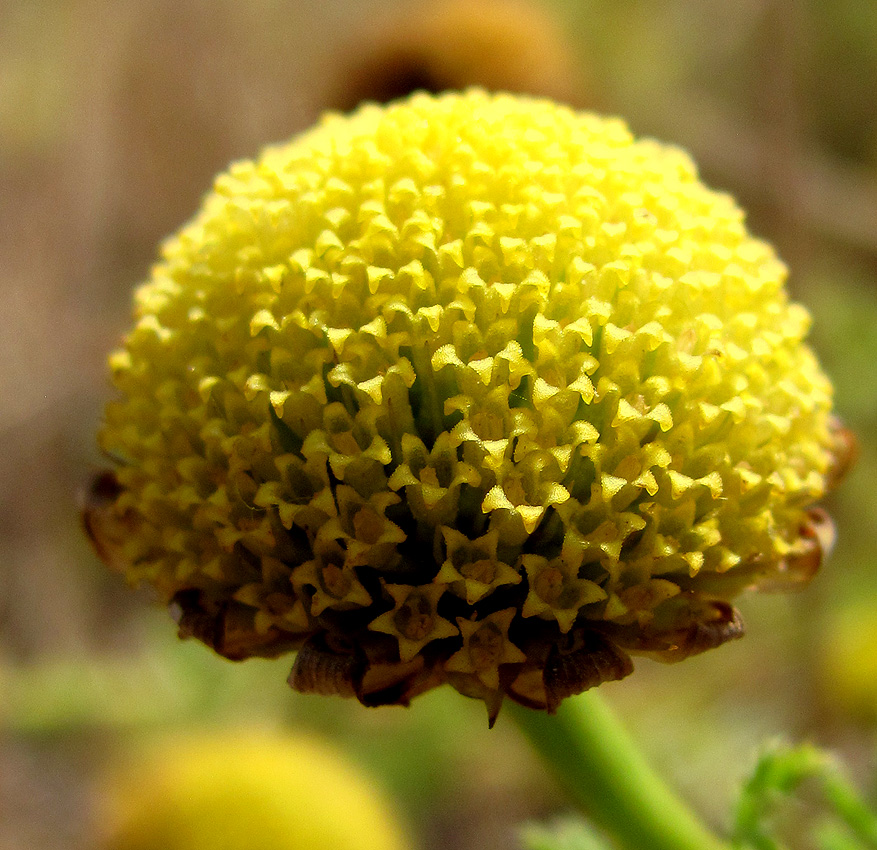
607,776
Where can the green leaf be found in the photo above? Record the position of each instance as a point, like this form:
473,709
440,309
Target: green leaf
779,773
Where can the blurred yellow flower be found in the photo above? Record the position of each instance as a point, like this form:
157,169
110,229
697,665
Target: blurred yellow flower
233,791
481,347
847,660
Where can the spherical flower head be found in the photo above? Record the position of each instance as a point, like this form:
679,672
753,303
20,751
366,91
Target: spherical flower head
243,792
471,389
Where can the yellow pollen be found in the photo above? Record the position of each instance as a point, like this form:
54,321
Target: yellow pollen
549,584
415,618
368,524
485,647
483,570
336,582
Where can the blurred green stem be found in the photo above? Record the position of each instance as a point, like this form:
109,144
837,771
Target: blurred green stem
607,776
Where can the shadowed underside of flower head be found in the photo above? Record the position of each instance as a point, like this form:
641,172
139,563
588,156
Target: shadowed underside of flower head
472,390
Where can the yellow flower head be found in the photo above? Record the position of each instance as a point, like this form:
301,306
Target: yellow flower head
244,792
469,389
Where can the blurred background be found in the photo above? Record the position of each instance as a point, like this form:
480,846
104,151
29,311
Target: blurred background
115,114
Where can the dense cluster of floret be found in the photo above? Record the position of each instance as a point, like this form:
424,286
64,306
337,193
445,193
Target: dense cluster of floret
470,389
